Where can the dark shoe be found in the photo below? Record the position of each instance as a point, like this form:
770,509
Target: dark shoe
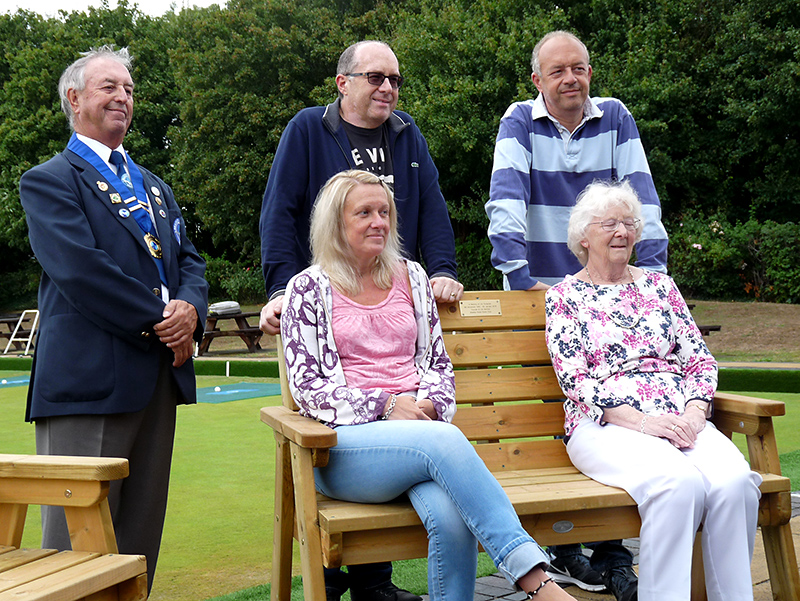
575,569
388,592
331,594
622,582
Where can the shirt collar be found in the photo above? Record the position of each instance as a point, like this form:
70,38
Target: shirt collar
591,110
100,149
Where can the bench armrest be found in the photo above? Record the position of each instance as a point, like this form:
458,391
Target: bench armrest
747,405
752,417
303,431
92,469
79,484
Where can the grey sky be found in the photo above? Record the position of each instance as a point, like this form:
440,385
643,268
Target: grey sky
49,8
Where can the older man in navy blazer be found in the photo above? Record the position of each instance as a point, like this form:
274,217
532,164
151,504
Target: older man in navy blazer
122,298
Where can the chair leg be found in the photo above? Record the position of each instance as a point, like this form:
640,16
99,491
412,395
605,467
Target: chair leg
284,523
308,525
784,577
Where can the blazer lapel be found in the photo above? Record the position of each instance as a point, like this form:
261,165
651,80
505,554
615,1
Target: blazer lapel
107,196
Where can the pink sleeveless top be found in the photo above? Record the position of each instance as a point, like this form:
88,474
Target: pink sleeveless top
377,343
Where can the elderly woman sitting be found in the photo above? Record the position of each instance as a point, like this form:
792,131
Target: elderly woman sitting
639,383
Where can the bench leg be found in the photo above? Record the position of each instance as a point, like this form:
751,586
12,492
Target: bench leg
282,535
91,528
12,523
698,572
784,577
307,525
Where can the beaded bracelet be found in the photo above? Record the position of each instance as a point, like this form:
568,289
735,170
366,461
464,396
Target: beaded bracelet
538,588
641,426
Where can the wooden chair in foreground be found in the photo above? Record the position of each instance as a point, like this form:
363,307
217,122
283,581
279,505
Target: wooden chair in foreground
92,571
489,336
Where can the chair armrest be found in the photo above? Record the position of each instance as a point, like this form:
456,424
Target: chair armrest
303,431
93,469
58,480
79,484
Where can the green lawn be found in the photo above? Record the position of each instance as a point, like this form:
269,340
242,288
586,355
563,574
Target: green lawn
218,534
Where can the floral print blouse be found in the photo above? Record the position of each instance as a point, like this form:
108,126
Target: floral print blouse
634,344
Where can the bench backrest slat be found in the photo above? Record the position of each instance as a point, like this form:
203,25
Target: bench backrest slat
511,421
495,385
503,372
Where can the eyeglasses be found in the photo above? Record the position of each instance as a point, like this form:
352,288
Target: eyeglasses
377,79
611,225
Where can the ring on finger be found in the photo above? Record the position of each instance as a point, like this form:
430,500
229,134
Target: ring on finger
673,426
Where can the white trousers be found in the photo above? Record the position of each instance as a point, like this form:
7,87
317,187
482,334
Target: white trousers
676,491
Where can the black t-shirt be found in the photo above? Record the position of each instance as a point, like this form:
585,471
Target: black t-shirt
369,149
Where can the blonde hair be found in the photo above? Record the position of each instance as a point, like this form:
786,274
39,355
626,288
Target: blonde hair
329,247
597,198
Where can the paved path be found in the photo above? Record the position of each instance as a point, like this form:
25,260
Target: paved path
495,587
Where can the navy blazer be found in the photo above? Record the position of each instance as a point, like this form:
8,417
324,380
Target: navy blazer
100,293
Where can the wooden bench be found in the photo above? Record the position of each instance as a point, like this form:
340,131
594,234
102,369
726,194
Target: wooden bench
92,570
249,334
489,336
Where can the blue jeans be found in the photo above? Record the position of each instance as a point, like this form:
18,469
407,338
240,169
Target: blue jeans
457,498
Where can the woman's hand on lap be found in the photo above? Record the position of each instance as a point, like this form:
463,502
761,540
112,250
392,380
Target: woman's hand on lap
427,407
406,408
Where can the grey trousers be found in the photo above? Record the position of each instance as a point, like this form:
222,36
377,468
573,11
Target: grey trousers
139,502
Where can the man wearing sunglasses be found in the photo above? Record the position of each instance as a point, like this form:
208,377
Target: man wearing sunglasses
360,130
547,151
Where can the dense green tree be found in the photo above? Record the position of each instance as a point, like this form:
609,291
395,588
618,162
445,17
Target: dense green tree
465,63
713,85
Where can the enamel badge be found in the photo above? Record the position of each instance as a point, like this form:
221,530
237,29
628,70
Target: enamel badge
102,186
153,245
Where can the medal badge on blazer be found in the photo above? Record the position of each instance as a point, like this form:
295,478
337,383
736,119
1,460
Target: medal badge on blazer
153,245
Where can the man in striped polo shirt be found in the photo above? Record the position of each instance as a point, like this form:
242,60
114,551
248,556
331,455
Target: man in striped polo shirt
548,150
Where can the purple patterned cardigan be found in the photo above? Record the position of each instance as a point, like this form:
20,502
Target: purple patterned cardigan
316,377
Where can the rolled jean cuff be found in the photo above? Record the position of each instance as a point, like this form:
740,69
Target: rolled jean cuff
521,560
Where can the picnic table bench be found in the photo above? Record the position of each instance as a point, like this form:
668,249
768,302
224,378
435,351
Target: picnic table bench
92,570
705,330
249,334
503,372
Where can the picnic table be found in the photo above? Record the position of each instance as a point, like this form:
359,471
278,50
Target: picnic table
251,335
10,322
